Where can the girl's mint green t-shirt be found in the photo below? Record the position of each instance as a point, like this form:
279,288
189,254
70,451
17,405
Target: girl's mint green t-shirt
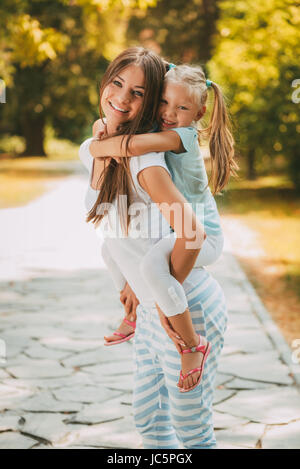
189,175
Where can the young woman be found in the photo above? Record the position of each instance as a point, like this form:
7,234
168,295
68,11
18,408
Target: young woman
182,107
163,415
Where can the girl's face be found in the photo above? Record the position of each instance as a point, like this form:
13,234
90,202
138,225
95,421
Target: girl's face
123,97
177,108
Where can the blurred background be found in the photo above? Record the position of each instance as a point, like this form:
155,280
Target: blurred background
52,57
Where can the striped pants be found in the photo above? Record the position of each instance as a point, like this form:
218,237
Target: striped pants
163,416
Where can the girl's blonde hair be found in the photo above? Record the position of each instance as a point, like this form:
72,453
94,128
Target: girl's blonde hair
218,132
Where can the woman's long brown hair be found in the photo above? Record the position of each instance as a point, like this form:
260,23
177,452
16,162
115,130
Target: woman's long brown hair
115,179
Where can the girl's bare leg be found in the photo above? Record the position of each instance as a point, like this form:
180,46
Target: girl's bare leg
183,326
124,328
130,302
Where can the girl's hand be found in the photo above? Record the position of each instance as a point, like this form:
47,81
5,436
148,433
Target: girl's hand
170,331
129,300
98,126
101,133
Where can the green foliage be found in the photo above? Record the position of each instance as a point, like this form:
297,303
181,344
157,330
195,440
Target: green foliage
256,60
179,30
52,56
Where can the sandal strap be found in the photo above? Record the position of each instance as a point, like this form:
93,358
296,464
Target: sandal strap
198,348
120,334
130,323
182,376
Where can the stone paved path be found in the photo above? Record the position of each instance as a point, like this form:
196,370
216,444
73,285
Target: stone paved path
61,388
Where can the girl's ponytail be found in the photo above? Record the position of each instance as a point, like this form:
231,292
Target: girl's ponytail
221,143
218,132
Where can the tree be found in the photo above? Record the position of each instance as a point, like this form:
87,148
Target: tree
54,54
256,60
180,30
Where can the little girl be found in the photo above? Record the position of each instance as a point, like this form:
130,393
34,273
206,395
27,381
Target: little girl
182,106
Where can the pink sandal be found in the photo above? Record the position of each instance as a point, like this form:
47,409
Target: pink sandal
124,337
205,349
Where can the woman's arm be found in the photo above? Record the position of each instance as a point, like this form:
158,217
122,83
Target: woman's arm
168,140
180,216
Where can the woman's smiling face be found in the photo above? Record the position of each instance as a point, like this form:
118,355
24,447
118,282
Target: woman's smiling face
123,97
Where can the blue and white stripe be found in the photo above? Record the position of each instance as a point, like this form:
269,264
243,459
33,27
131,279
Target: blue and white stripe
165,417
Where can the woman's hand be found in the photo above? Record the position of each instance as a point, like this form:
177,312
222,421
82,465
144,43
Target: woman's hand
130,301
169,330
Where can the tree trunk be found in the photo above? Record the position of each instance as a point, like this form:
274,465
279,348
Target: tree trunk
211,13
251,164
31,111
33,126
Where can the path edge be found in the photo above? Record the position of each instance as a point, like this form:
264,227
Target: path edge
268,323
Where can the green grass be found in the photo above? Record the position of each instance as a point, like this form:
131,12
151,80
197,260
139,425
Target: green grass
22,179
271,207
56,149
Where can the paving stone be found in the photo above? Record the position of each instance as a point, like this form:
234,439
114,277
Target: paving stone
273,405
229,349
84,394
19,384
104,435
256,366
77,378
123,383
238,384
221,379
35,332
247,340
246,435
242,320
3,374
10,396
47,426
45,402
13,440
15,344
226,420
230,446
102,412
39,369
108,369
39,351
94,357
22,318
8,422
282,437
221,394
66,343
67,447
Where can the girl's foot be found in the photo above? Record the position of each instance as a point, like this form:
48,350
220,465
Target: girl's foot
190,361
124,329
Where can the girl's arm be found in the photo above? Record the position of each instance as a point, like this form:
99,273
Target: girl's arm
168,140
157,182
